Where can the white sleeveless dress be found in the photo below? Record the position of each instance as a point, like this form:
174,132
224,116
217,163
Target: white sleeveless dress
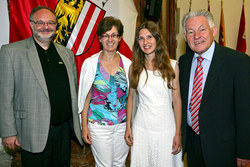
154,124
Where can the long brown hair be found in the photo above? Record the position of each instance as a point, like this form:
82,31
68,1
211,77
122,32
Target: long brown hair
161,61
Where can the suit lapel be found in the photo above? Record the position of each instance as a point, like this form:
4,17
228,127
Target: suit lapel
36,64
66,60
186,77
213,74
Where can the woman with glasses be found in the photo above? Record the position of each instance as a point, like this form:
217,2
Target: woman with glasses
103,93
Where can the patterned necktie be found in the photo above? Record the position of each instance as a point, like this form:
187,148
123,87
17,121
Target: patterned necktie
195,101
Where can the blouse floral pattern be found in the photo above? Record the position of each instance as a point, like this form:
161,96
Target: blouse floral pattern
109,97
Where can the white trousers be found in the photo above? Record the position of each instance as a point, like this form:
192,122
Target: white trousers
108,145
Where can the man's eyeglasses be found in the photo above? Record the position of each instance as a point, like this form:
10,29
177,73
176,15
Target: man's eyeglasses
107,36
41,23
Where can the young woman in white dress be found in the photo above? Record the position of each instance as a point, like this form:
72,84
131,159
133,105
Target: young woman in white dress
155,135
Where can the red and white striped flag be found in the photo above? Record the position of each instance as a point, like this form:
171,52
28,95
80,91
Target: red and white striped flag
80,27
241,43
77,23
85,28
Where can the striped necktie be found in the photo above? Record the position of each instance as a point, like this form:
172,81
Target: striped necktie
195,101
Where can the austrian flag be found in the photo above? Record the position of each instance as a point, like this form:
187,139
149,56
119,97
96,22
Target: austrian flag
80,31
77,23
77,26
86,27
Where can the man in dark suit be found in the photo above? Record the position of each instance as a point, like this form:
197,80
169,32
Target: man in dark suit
38,98
216,110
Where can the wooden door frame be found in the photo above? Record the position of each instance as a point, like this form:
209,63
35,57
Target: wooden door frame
171,35
166,23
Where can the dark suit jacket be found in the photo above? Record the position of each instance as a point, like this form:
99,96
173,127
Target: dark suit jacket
224,115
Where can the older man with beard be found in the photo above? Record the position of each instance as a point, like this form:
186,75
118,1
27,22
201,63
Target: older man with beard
38,98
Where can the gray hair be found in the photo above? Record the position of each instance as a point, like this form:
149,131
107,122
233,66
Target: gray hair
202,12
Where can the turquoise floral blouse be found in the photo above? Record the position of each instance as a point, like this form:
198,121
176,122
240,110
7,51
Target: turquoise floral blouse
109,97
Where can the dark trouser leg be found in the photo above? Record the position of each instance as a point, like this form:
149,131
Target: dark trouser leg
56,152
194,153
61,148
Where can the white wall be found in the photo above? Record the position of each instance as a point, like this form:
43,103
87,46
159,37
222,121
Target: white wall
232,13
4,33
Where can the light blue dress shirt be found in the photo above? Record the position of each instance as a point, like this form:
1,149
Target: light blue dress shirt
208,55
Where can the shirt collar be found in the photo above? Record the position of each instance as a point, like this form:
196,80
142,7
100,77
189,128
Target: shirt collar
208,55
40,48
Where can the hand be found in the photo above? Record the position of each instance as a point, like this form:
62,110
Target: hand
86,135
10,142
176,147
242,162
128,136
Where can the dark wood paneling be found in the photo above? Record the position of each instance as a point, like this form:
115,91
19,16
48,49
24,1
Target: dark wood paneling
166,22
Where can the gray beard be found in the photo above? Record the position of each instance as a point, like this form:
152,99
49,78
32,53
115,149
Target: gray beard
42,39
